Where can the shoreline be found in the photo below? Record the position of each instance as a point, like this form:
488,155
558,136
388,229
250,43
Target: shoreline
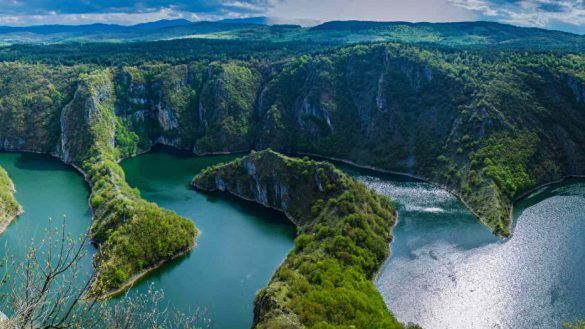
136,277
397,173
452,192
140,275
288,216
5,222
7,219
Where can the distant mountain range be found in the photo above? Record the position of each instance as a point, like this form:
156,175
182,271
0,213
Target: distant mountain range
277,30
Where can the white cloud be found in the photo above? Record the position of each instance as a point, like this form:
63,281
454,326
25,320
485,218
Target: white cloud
109,18
569,14
380,10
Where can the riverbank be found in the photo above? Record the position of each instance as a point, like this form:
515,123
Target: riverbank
451,191
345,232
139,276
9,207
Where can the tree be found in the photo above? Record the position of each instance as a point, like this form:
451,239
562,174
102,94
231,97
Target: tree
47,290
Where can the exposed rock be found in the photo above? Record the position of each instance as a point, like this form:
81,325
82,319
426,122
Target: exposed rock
309,114
9,207
335,215
166,118
577,87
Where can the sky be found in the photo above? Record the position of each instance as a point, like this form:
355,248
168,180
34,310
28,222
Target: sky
566,15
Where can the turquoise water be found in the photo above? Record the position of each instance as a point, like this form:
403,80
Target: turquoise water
47,190
240,246
448,271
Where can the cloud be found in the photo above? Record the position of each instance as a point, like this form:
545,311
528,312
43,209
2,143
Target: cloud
32,12
560,14
566,15
380,10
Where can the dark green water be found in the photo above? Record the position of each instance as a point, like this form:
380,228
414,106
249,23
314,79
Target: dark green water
448,271
239,248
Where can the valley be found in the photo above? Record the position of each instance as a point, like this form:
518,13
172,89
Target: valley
481,112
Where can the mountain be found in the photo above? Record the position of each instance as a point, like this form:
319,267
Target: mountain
464,34
487,111
261,20
326,205
157,30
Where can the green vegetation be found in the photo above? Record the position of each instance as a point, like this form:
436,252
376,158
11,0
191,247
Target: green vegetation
134,235
344,228
470,34
474,107
9,207
578,325
509,121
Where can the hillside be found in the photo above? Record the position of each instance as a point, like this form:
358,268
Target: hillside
464,34
487,125
344,230
70,113
9,207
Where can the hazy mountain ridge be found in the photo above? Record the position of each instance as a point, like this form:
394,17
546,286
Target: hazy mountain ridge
266,29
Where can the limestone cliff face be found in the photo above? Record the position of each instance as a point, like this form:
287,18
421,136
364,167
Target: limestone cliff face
276,182
448,117
9,207
344,231
81,117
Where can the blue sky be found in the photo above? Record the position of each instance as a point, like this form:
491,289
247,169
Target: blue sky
568,15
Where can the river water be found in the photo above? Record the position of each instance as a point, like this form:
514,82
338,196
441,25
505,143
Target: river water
446,269
240,246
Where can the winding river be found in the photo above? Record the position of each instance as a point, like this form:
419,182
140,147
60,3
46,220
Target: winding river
238,250
446,269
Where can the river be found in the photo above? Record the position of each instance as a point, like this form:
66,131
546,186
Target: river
446,269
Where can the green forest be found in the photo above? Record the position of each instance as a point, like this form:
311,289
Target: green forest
487,111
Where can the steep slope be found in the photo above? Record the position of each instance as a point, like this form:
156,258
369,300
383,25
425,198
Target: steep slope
487,125
344,230
134,235
9,207
70,113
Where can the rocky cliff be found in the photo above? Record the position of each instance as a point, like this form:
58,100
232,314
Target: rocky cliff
9,208
80,126
344,229
489,126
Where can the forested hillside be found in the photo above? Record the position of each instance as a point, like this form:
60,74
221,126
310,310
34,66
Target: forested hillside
9,207
475,34
344,229
488,124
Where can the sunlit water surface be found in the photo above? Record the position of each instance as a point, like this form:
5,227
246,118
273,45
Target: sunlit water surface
446,269
449,271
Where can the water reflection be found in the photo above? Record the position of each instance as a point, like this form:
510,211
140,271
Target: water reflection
448,271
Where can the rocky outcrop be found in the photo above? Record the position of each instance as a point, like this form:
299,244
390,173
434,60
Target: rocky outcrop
133,235
80,117
577,87
9,207
416,110
344,229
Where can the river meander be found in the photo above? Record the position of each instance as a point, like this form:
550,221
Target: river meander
446,269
